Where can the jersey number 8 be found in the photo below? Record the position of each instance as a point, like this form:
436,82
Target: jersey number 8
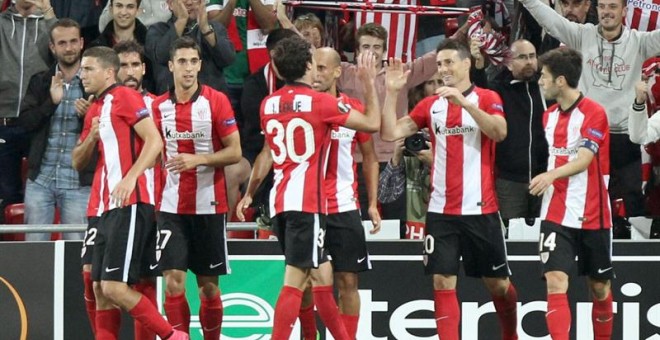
287,147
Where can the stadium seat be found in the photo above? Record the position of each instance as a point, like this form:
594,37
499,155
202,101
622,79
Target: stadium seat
14,215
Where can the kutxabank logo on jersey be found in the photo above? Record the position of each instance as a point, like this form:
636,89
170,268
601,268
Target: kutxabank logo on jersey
171,134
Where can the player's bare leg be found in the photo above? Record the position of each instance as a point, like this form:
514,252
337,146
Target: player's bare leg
558,316
447,311
176,306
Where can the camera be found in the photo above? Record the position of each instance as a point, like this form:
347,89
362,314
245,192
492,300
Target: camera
415,143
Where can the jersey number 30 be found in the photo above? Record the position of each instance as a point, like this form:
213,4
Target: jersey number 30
285,141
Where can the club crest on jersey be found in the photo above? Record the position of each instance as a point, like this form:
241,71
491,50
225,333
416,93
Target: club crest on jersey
203,114
142,112
171,134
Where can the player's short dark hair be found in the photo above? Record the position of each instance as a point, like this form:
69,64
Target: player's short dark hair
456,45
63,23
184,42
106,56
373,30
563,61
138,2
129,46
291,56
276,35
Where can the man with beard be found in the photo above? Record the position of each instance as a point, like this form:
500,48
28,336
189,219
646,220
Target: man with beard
524,106
578,11
50,113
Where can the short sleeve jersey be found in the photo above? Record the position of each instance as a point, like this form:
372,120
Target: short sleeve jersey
194,127
462,174
119,108
580,201
297,121
341,176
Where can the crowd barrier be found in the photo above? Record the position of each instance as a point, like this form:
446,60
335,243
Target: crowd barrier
41,294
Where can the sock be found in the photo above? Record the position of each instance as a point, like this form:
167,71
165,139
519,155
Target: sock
447,314
558,316
286,312
107,324
602,318
308,322
328,311
90,299
351,324
506,307
210,316
148,315
148,289
177,311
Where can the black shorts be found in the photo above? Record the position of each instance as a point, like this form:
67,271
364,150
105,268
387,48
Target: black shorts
87,251
149,266
476,238
559,245
346,242
195,242
515,200
120,242
302,238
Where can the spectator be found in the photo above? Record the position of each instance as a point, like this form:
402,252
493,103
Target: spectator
576,213
86,13
23,53
523,154
125,26
612,55
643,130
373,37
462,220
311,28
189,19
577,11
409,172
50,112
248,23
149,13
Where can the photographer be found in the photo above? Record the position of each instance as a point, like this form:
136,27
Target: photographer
408,171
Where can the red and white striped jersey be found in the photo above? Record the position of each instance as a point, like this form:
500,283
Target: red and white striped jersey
580,201
462,175
341,176
194,127
119,108
401,28
642,15
296,121
95,204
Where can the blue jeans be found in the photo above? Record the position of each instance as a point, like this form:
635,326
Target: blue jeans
40,203
14,145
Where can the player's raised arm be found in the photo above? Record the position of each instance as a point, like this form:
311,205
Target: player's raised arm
370,120
392,129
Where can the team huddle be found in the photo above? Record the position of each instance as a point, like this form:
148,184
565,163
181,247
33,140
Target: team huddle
159,201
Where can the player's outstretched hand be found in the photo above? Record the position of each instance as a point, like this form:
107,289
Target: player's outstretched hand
395,75
374,214
241,206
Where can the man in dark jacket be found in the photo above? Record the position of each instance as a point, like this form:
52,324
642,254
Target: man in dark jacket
23,52
189,19
125,26
523,154
52,111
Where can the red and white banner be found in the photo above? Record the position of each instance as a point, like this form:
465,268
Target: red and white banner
643,15
401,28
